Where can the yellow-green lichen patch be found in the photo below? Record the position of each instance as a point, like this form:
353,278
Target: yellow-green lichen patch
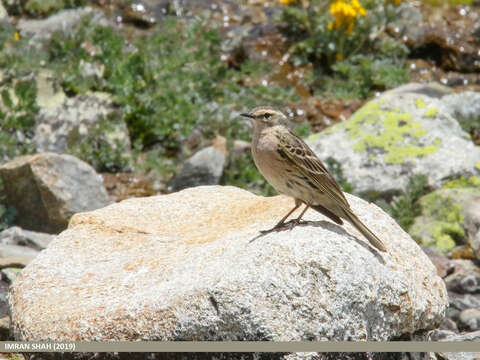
477,165
463,182
420,103
398,140
431,112
442,220
437,141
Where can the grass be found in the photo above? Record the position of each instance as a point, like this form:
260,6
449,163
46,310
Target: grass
165,91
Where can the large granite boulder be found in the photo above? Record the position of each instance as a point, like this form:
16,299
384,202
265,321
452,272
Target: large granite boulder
183,267
401,134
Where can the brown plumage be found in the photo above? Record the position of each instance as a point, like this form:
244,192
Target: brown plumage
293,169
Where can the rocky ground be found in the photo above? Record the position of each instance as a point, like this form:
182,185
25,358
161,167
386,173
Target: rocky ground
92,117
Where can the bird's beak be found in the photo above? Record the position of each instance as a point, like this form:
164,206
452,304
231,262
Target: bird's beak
247,115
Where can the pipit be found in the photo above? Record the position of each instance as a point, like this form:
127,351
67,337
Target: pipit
293,169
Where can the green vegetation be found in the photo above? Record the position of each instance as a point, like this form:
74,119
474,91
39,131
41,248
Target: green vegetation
335,168
335,38
404,208
100,147
449,2
40,8
17,111
164,90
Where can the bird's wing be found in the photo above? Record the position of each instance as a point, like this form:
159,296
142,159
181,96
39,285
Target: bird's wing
308,164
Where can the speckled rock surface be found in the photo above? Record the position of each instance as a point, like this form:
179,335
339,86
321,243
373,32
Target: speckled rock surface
182,267
47,189
394,137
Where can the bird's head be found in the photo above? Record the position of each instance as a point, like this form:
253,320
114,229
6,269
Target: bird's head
266,116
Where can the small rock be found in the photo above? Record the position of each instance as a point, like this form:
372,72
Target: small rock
449,324
5,330
17,251
465,280
18,262
463,301
240,146
139,14
3,13
64,21
470,319
441,262
18,236
203,168
10,274
15,262
459,355
47,189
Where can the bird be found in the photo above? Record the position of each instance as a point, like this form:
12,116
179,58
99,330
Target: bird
293,169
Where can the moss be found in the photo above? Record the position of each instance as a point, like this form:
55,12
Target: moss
397,127
420,103
462,182
431,112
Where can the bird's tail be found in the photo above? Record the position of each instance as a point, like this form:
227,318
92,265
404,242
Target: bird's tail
355,221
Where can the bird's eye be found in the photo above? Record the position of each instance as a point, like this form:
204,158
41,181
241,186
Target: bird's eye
267,115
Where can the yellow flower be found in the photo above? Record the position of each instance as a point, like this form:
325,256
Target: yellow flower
345,14
16,36
287,2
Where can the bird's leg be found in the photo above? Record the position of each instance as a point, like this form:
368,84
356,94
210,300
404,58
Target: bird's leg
297,220
281,223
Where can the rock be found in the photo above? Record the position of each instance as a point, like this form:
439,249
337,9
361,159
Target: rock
463,301
394,137
63,127
472,336
18,236
183,267
15,261
121,186
472,224
442,222
3,299
139,14
3,13
10,274
442,263
50,94
470,319
433,90
464,106
47,189
459,355
465,279
17,251
5,330
408,22
63,21
203,168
